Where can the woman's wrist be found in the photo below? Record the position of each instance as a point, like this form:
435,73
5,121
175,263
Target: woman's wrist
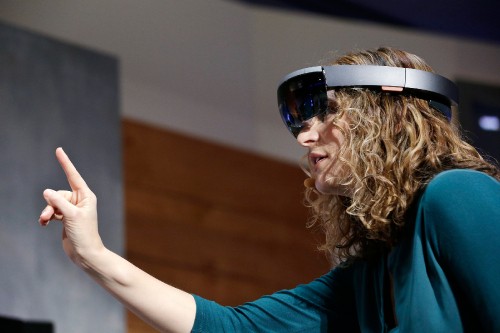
91,258
107,267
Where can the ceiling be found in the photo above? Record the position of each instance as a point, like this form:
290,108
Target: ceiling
472,19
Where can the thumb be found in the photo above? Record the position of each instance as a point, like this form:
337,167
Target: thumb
60,201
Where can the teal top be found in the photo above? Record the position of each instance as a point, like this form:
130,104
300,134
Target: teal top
445,272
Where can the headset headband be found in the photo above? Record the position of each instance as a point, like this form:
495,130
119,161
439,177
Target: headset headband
386,77
302,94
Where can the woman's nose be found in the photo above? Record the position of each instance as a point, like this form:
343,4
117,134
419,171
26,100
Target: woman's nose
309,134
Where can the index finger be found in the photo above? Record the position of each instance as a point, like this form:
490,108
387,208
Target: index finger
75,181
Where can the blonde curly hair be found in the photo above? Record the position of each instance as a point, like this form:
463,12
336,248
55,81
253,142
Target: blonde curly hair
395,144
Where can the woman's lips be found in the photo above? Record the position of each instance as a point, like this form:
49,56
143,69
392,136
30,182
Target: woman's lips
315,159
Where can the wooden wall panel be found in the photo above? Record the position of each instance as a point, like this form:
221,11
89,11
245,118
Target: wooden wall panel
215,221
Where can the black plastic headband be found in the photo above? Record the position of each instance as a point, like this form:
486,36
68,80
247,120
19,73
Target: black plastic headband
388,78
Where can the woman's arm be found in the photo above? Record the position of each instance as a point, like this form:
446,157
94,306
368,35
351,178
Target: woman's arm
163,306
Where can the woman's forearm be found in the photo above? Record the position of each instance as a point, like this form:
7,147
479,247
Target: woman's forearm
161,305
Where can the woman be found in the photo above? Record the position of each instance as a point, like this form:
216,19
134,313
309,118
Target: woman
409,210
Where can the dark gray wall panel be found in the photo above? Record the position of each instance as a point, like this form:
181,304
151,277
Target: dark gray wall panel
53,94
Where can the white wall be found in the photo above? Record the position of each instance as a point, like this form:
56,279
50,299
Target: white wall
210,68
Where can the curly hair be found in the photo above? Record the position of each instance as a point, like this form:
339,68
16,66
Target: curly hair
394,145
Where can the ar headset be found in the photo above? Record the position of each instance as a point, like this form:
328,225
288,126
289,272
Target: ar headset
302,94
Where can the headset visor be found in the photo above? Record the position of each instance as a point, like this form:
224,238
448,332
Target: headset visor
301,98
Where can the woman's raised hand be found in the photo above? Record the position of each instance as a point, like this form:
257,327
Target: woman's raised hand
165,307
77,209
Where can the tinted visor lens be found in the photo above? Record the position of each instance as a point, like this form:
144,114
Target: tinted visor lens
301,98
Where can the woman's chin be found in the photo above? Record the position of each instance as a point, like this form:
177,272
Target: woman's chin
321,187
324,187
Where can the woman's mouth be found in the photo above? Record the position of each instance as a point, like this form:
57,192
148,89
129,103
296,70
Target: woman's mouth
315,159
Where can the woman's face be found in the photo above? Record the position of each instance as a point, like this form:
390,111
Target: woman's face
323,140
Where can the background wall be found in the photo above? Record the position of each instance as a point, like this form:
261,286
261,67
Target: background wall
53,94
210,68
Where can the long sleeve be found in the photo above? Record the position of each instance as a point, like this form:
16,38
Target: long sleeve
313,307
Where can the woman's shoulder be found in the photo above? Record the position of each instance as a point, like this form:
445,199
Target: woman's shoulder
460,182
461,177
461,195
